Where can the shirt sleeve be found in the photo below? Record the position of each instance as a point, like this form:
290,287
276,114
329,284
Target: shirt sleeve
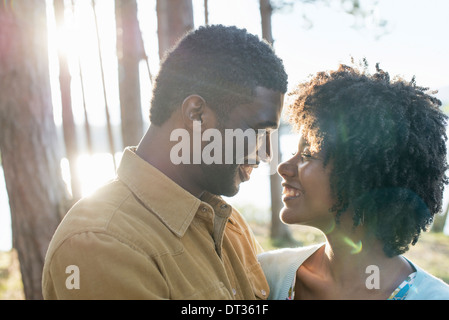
94,265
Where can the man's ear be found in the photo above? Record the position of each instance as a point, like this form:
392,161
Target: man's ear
194,108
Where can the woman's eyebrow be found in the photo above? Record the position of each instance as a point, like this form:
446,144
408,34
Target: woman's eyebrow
302,145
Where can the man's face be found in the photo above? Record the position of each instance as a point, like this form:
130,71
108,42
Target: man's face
261,115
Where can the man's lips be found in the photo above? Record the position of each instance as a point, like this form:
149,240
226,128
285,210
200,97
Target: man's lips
290,192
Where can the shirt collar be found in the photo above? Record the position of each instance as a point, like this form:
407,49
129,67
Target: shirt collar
175,206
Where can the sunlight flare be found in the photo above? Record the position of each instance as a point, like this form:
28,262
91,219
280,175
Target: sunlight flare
356,247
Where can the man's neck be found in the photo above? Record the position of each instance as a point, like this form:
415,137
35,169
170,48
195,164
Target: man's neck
155,148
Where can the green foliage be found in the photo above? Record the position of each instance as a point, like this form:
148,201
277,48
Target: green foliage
445,109
431,253
11,287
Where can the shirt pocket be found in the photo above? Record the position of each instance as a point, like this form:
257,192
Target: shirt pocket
216,291
258,281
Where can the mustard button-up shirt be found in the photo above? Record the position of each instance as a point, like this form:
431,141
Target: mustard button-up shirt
142,236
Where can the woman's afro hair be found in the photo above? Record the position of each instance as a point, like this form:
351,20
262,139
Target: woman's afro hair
386,140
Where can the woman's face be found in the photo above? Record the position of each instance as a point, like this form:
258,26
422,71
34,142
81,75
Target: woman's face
306,189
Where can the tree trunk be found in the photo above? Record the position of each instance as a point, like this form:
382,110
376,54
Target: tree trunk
129,52
174,19
265,15
68,122
279,232
28,142
206,13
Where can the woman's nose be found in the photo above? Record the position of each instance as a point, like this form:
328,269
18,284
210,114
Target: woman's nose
287,169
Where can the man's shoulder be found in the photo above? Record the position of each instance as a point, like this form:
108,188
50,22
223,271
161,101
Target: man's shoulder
94,212
112,211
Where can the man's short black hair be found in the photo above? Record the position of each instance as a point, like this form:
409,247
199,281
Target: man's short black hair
386,140
221,64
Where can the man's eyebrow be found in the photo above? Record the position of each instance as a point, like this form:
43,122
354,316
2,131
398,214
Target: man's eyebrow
266,125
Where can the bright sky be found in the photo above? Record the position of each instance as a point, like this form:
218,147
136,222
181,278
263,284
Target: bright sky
416,44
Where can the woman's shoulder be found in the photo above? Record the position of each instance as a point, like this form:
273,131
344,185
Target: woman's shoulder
287,254
280,267
427,287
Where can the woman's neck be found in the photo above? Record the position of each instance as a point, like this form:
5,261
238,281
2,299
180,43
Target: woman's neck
351,265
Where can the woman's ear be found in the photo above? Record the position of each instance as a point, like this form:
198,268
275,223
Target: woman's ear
194,108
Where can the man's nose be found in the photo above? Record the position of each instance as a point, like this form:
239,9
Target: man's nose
266,154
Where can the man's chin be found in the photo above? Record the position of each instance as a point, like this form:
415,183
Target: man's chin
225,182
227,190
230,193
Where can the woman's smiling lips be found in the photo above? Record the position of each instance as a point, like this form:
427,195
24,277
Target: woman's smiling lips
289,192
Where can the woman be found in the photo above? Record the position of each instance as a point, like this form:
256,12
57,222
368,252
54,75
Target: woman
369,173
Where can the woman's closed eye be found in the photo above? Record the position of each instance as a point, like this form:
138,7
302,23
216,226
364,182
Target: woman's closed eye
306,155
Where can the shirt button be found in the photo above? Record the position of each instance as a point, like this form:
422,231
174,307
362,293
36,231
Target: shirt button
204,209
263,292
234,292
224,206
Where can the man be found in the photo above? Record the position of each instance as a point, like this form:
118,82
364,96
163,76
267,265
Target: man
160,229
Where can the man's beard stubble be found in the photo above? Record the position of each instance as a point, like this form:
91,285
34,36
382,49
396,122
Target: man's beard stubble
220,179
